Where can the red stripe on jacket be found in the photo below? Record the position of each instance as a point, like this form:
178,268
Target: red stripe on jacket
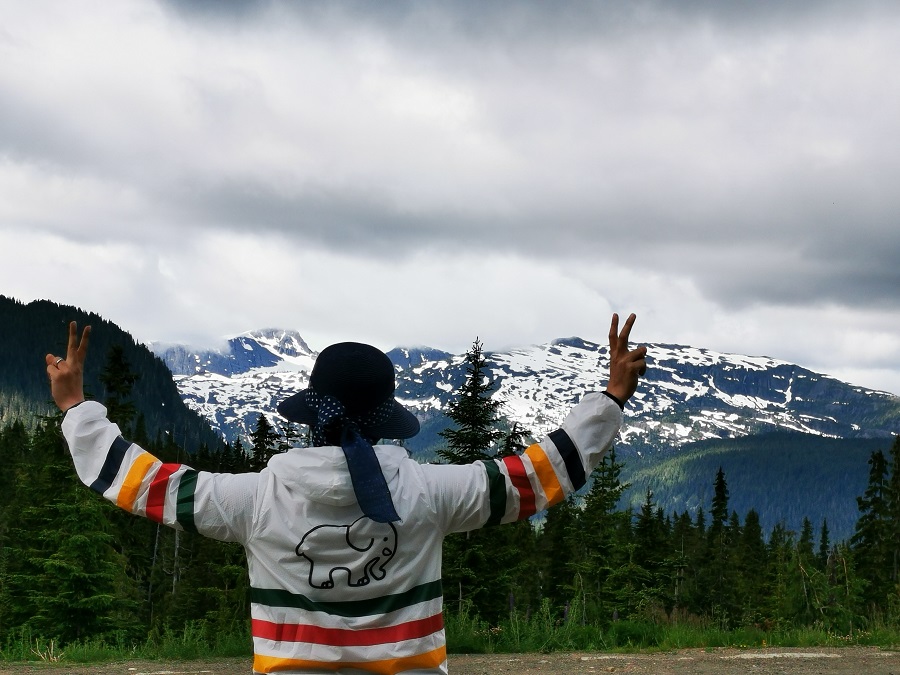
156,496
342,637
519,478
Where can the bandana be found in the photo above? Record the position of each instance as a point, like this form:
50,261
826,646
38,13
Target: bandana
368,482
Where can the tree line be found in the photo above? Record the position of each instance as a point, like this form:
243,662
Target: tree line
75,568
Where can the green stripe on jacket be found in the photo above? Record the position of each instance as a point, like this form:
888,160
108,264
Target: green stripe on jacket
275,597
497,485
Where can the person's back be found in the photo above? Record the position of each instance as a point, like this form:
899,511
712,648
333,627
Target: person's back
329,584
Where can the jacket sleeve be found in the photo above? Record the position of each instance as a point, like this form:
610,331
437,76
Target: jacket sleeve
513,488
220,506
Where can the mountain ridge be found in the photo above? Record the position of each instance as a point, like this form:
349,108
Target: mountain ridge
689,394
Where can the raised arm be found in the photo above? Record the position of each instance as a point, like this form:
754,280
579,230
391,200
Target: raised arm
215,505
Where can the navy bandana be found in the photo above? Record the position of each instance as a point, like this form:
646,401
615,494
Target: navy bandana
369,484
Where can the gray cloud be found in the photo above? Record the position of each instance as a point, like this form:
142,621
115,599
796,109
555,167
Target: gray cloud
729,139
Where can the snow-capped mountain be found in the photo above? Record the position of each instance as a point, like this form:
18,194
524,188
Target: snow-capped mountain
689,394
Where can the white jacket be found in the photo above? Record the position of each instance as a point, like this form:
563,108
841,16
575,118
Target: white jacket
331,590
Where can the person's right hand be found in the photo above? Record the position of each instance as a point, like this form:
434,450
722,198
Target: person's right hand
625,367
67,373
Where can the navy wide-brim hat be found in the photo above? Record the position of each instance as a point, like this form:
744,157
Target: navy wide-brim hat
361,377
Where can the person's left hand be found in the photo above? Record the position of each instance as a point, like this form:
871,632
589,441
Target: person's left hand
67,373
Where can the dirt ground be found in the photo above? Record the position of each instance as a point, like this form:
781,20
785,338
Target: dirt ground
846,661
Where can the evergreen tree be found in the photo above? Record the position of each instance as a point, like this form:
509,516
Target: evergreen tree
513,442
751,570
778,601
841,592
237,461
118,381
893,513
600,524
805,574
869,541
720,577
683,562
651,552
474,415
824,545
561,556
480,567
264,444
291,438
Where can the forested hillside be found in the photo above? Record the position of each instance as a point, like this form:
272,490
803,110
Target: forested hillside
32,330
785,477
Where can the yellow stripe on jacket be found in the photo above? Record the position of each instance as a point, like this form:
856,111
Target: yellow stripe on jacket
432,659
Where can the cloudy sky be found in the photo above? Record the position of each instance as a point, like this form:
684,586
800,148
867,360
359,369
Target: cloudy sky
425,173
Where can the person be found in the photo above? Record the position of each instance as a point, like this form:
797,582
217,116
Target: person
343,540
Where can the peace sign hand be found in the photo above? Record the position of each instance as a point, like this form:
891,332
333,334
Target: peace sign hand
624,366
67,373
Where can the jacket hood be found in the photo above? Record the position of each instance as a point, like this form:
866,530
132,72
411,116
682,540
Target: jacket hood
322,474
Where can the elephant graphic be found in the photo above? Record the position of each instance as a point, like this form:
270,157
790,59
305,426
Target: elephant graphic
362,549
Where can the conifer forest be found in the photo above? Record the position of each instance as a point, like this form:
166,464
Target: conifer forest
74,568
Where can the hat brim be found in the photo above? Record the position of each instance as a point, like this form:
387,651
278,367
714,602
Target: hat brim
401,424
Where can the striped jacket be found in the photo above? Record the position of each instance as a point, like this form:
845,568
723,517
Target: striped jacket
331,590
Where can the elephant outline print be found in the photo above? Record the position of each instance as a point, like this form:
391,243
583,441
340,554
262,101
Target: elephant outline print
362,549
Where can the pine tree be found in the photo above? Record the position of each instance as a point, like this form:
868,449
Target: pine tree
893,514
118,381
824,545
264,444
560,555
132,537
719,579
474,414
751,567
650,540
481,567
683,562
600,523
513,442
238,461
291,437
778,552
869,541
841,592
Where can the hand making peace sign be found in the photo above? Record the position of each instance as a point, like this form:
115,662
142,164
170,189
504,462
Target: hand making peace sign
624,366
67,373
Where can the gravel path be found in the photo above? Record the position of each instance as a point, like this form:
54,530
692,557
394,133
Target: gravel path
813,661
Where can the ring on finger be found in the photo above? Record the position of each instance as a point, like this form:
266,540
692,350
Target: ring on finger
58,360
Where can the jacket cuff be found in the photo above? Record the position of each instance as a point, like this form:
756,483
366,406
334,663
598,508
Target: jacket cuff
619,403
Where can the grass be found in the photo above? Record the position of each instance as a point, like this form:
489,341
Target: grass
194,642
541,631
